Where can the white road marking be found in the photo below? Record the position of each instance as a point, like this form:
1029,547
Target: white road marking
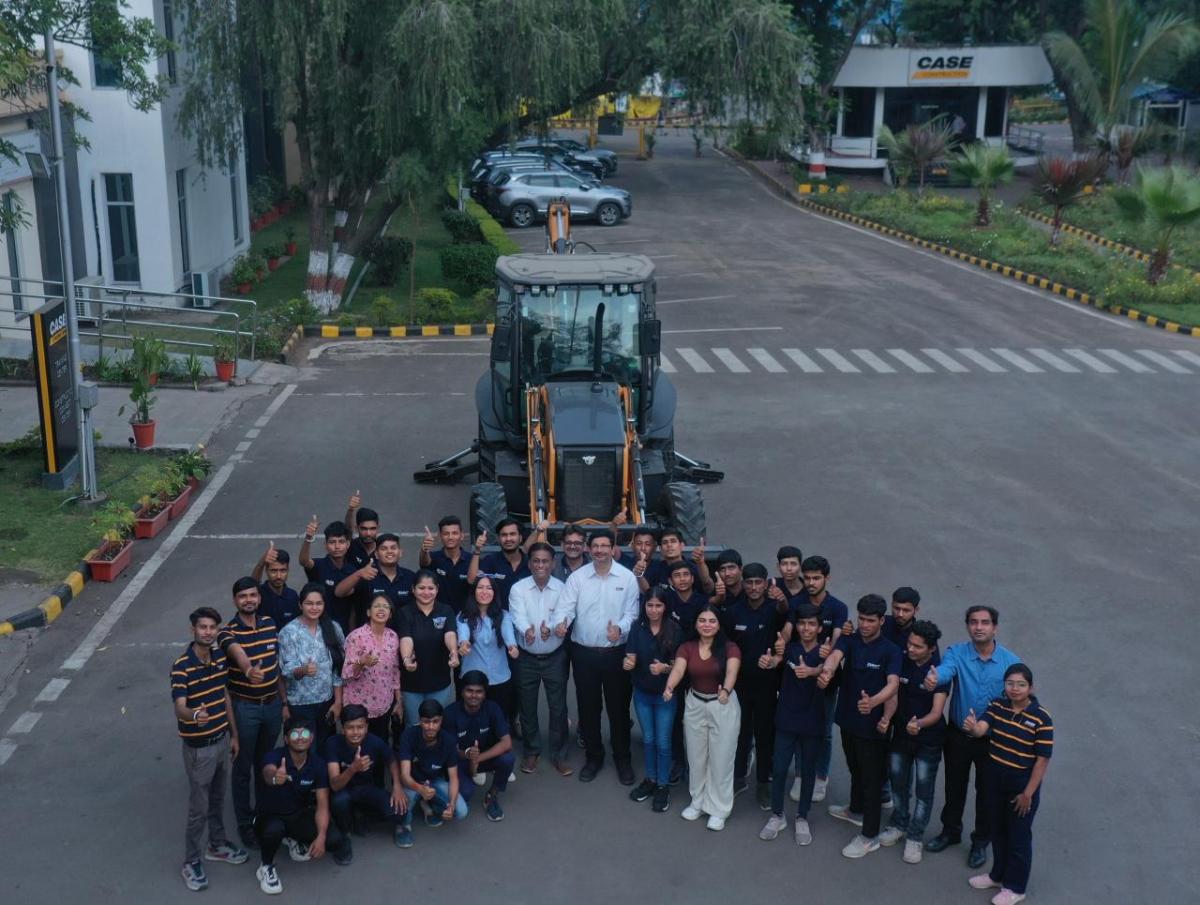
1187,355
1163,362
51,692
24,723
1122,359
1090,360
767,360
125,599
837,361
253,433
243,446
731,361
694,361
909,360
7,747
982,360
701,298
261,422
945,361
665,363
877,364
806,364
723,330
1053,360
1014,359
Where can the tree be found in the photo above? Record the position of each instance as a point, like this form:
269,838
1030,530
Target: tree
1162,200
1060,181
985,167
1123,144
916,147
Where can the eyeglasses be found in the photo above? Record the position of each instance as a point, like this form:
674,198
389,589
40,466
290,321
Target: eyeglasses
300,734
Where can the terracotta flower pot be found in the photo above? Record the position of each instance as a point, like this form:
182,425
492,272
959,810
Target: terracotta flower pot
193,482
153,380
243,288
110,560
143,433
291,248
180,504
225,370
148,526
272,264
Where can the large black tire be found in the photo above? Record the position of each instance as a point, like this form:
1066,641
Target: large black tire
608,213
683,508
488,508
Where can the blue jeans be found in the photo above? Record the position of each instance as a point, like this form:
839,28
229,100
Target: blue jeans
827,748
413,699
657,718
905,759
441,788
258,727
807,751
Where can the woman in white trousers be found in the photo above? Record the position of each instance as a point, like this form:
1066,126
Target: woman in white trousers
711,716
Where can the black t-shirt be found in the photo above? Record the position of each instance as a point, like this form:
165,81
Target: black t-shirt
497,567
329,576
357,554
428,635
648,647
801,704
914,700
865,667
684,612
486,726
282,607
755,631
429,762
453,588
298,793
341,752
658,574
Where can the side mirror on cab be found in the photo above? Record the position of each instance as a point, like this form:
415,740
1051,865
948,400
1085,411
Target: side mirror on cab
650,338
502,343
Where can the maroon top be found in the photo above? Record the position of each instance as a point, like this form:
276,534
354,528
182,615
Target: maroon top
703,673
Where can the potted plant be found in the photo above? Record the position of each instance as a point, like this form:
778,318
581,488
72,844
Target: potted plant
149,358
152,513
273,253
195,465
141,394
225,357
115,521
289,234
179,491
260,267
242,274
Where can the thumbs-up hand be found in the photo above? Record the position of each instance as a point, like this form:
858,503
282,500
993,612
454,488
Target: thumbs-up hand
544,631
255,674
765,661
464,648
561,629
281,774
883,725
913,727
410,663
427,792
427,540
454,661
931,679
310,668
719,588
847,627
620,518
825,649
824,678
271,555
970,722
775,592
361,763
201,717
369,571
629,662
355,500
473,753
481,541
779,644
658,667
529,634
639,567
613,632
698,552
312,527
864,702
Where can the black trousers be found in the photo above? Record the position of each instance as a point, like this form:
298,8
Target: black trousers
601,682
375,800
867,760
757,699
962,752
301,826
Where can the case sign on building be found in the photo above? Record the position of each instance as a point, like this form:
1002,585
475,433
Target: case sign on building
55,387
925,67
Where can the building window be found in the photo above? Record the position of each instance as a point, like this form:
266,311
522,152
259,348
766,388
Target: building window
106,72
122,227
185,250
14,263
858,113
236,198
168,10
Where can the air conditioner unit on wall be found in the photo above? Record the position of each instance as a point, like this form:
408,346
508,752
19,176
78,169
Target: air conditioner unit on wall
204,287
88,298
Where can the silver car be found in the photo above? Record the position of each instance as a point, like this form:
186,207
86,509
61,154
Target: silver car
523,198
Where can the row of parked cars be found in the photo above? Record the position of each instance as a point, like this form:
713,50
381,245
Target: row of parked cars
517,183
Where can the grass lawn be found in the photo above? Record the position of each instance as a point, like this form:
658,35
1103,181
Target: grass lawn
42,533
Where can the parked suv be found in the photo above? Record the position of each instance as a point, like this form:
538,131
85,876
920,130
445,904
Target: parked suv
604,155
579,155
482,179
522,198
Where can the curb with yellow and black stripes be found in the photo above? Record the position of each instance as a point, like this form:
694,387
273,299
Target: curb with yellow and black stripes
50,608
334,331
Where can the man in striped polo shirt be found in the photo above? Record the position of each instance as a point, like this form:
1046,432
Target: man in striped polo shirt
198,688
257,694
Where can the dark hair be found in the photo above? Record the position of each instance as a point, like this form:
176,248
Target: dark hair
281,556
329,633
669,633
422,574
574,530
980,608
755,570
365,515
299,722
669,532
727,556
645,531
474,677
1020,669
505,522
871,605
682,565
815,564
926,631
474,618
352,712
447,521
205,612
788,552
245,583
312,587
385,538
719,639
906,595
807,611
337,529
601,533
430,708
540,547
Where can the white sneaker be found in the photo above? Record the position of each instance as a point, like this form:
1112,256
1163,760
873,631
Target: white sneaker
480,779
890,836
818,790
860,846
803,833
794,792
843,812
268,880
716,824
774,824
912,851
512,777
691,812
297,850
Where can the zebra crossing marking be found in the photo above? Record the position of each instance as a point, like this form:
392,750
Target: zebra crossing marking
1122,359
838,361
1054,361
873,361
767,360
1090,360
945,361
910,360
1017,361
803,362
730,360
694,361
982,360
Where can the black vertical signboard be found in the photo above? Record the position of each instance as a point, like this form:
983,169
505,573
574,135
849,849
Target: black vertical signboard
55,386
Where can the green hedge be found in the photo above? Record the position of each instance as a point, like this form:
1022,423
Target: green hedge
474,265
493,232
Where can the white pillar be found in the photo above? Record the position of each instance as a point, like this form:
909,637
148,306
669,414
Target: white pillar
879,96
981,113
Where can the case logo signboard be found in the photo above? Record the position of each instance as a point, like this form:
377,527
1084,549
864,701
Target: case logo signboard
940,67
55,387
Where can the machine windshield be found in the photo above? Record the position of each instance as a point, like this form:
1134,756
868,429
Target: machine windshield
557,331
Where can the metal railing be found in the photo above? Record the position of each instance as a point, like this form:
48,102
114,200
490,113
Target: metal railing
120,310
1021,138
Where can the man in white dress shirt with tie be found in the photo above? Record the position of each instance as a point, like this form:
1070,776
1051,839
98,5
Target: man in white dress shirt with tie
601,598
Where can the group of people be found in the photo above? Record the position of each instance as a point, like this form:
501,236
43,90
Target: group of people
399,691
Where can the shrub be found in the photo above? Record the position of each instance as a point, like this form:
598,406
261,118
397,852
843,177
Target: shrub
755,143
297,312
388,256
243,270
474,265
434,305
462,227
383,310
1131,289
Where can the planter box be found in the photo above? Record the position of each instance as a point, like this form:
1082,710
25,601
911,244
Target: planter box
148,526
111,560
180,504
194,483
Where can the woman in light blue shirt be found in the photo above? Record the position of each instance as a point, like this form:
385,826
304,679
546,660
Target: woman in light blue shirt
311,653
486,641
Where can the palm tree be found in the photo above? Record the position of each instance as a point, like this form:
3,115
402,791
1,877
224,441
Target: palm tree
985,167
914,149
1060,181
1162,200
1118,51
1125,143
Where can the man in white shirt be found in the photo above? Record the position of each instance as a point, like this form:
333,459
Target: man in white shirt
542,627
601,599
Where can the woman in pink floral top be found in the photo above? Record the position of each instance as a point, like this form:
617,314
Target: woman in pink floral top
372,669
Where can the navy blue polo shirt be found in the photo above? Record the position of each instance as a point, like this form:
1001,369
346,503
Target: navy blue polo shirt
357,554
865,667
329,576
497,567
914,700
755,631
778,582
282,607
658,574
341,752
899,636
299,792
486,726
649,647
453,587
429,762
834,614
685,611
398,590
801,706
428,635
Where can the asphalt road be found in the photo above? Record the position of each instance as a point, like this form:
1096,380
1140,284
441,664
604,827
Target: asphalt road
871,403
